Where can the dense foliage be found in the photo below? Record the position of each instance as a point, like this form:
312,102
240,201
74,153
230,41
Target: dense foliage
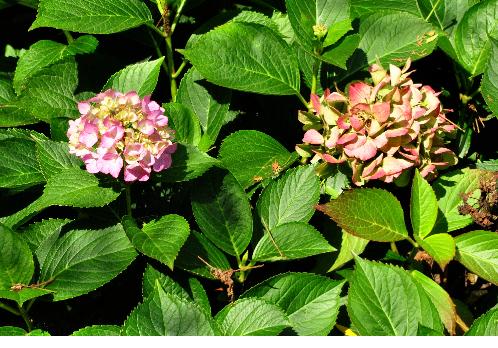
190,167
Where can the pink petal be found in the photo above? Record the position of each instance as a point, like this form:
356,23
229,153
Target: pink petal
381,111
136,172
346,138
162,162
312,136
356,122
393,165
364,152
369,169
329,158
334,136
359,92
315,101
84,107
341,123
395,73
397,132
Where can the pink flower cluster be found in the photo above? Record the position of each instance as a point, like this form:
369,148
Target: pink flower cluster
119,130
381,130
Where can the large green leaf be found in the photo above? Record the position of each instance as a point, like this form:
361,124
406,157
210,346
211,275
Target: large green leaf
383,300
391,38
53,157
71,187
185,124
478,251
441,246
17,331
450,189
443,302
252,156
358,212
153,277
188,163
423,206
304,15
23,295
11,114
293,240
291,198
350,246
223,212
246,56
251,317
489,82
485,325
82,261
164,314
365,7
19,167
92,16
472,36
140,77
339,53
199,247
98,330
160,239
310,301
208,102
16,261
199,295
50,92
44,53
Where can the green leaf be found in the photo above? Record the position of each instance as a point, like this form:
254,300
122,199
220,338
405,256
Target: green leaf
82,261
478,251
491,165
223,212
350,246
99,330
168,285
53,157
159,239
440,246
364,7
50,93
199,295
198,246
71,187
485,325
489,82
310,301
449,190
440,298
17,331
251,317
303,15
46,52
11,114
306,63
291,198
140,77
472,36
19,168
339,53
358,212
423,206
383,300
92,16
24,294
248,57
187,163
16,261
184,122
293,240
250,156
208,102
164,314
391,38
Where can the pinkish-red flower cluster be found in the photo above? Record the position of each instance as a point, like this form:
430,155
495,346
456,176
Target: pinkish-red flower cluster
119,130
381,130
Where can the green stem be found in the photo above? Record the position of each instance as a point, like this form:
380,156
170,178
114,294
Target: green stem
179,70
171,67
128,199
432,10
394,248
9,309
301,98
155,29
314,77
415,244
159,53
26,319
177,15
68,36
